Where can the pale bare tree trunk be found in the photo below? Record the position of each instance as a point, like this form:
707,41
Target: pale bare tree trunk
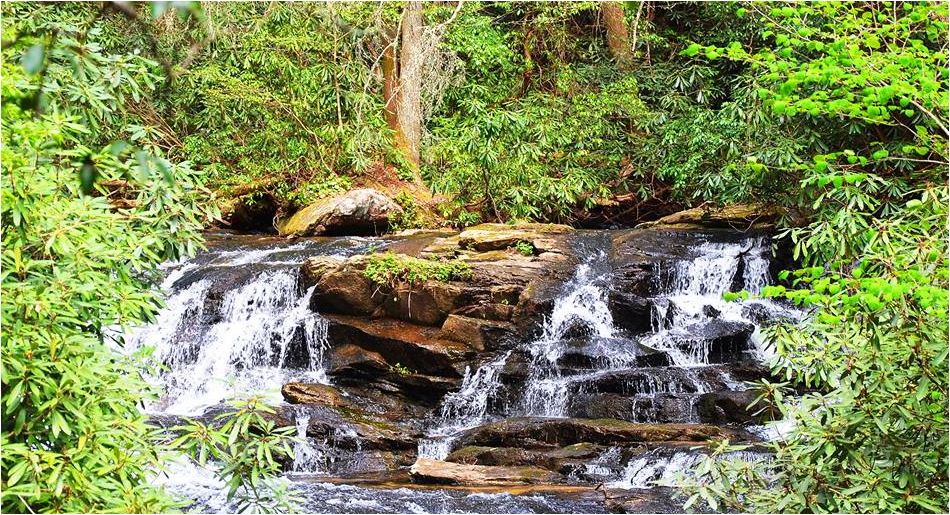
618,39
409,112
391,84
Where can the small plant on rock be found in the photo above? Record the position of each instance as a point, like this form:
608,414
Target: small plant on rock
390,269
400,369
525,248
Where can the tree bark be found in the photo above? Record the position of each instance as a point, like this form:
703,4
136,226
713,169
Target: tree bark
409,112
618,39
390,84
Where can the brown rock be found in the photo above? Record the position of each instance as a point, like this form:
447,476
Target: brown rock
356,212
420,349
312,393
353,360
433,471
313,268
736,216
479,333
346,290
529,432
502,456
429,303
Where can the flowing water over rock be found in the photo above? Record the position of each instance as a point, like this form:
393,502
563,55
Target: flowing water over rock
639,333
236,321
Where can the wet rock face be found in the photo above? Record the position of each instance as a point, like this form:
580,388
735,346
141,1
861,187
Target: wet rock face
356,212
507,290
531,432
395,353
730,407
312,393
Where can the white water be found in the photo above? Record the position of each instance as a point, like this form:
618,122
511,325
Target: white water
583,307
245,351
694,296
463,409
307,457
649,471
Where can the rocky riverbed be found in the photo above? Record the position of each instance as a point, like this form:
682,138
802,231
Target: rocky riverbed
568,370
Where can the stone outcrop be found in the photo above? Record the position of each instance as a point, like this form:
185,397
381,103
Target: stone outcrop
531,432
443,472
504,294
398,348
312,393
356,212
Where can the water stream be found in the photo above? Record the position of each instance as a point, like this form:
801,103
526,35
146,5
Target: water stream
238,321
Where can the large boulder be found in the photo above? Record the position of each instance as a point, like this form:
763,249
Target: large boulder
341,288
356,212
442,472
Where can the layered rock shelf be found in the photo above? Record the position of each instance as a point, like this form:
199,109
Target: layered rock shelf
559,357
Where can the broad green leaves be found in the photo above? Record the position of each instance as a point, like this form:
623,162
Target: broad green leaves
85,225
871,433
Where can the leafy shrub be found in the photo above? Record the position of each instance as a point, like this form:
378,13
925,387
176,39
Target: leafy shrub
86,222
248,451
873,437
411,217
77,267
525,248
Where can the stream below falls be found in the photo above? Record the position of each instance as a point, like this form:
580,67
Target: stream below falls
631,340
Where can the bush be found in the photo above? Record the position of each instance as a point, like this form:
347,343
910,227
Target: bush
390,269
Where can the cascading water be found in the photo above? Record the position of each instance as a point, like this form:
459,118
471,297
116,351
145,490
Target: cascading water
648,471
237,321
307,457
245,350
693,295
582,308
463,409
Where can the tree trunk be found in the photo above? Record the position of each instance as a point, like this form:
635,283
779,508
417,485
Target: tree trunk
390,83
409,113
617,36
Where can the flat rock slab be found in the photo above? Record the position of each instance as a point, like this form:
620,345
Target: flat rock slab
425,470
417,348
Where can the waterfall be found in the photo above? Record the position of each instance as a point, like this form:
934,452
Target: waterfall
262,334
307,457
463,409
648,471
692,296
581,307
